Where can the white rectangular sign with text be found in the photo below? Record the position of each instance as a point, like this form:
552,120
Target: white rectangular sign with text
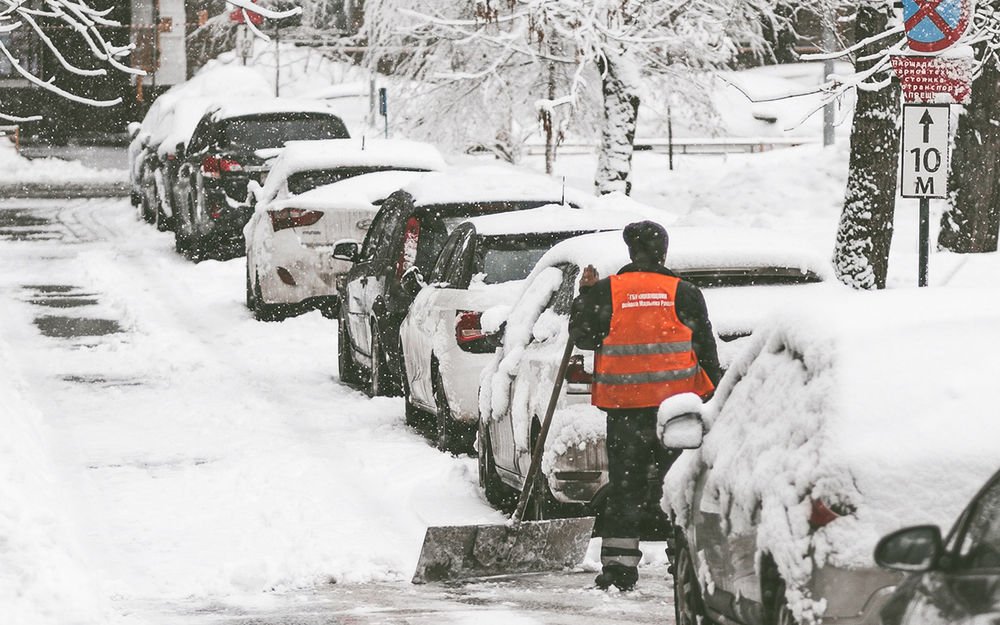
926,150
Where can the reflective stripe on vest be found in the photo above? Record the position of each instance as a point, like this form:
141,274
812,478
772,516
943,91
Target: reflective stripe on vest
647,355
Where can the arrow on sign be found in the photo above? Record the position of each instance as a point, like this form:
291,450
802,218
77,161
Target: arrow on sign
927,122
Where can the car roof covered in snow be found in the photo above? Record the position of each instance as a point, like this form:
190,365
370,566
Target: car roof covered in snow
356,192
490,183
550,219
694,248
882,402
299,156
242,107
180,124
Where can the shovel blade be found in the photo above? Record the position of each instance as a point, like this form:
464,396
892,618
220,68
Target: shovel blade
466,551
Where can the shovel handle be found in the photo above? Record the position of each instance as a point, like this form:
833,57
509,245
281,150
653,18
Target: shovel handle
536,456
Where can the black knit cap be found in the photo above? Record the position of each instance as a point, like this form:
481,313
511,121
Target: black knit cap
646,240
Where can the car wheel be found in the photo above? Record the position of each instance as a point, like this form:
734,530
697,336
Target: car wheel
689,609
349,373
416,418
263,311
161,221
543,504
498,494
376,375
250,294
776,610
451,435
145,209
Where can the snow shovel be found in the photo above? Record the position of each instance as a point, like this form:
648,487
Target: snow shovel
468,551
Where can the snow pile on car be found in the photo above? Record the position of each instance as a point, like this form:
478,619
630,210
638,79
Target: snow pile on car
882,406
43,576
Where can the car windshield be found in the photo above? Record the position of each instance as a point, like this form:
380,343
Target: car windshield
272,131
303,181
754,276
502,259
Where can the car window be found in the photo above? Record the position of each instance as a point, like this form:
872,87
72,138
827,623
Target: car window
562,299
376,235
201,137
272,131
460,269
434,233
443,263
506,258
980,545
303,181
756,276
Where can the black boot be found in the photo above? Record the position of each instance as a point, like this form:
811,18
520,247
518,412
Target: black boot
622,577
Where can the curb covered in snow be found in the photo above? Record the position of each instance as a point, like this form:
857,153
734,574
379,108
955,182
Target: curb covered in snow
48,190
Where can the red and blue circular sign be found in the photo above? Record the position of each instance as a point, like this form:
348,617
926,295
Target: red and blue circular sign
933,25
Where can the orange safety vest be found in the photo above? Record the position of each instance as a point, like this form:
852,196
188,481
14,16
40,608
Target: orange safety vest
647,356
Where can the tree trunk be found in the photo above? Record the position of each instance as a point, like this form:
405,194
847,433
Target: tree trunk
548,122
861,257
972,220
620,91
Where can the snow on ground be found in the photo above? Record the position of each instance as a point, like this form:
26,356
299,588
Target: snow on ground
203,454
16,169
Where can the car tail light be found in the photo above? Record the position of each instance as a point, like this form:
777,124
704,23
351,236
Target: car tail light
293,218
820,514
229,165
468,328
211,167
408,255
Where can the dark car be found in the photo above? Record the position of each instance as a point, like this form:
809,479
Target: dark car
404,240
230,147
954,580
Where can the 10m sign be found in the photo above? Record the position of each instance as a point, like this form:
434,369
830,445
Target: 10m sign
926,150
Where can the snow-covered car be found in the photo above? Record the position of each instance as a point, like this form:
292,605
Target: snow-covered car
147,137
160,168
482,266
232,145
405,239
846,417
743,273
289,241
953,580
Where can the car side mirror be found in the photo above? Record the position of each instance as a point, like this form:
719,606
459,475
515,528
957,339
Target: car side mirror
347,249
412,281
133,129
680,422
913,549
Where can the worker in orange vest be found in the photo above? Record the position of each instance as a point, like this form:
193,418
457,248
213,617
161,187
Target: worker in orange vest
652,340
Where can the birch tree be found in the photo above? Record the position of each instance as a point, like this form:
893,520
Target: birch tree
594,53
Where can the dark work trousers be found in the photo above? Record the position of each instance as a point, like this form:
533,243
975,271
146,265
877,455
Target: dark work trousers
637,463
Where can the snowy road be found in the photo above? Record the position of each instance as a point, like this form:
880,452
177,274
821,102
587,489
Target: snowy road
178,462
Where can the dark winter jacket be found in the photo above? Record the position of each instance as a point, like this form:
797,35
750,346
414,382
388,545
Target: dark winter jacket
590,317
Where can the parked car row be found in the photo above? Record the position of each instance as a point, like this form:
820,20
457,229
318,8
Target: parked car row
192,160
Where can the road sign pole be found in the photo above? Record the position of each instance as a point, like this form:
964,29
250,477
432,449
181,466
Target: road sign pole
925,240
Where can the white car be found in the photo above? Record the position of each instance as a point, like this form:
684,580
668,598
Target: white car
845,418
482,266
744,275
318,193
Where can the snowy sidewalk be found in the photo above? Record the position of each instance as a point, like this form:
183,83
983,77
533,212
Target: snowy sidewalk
62,172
